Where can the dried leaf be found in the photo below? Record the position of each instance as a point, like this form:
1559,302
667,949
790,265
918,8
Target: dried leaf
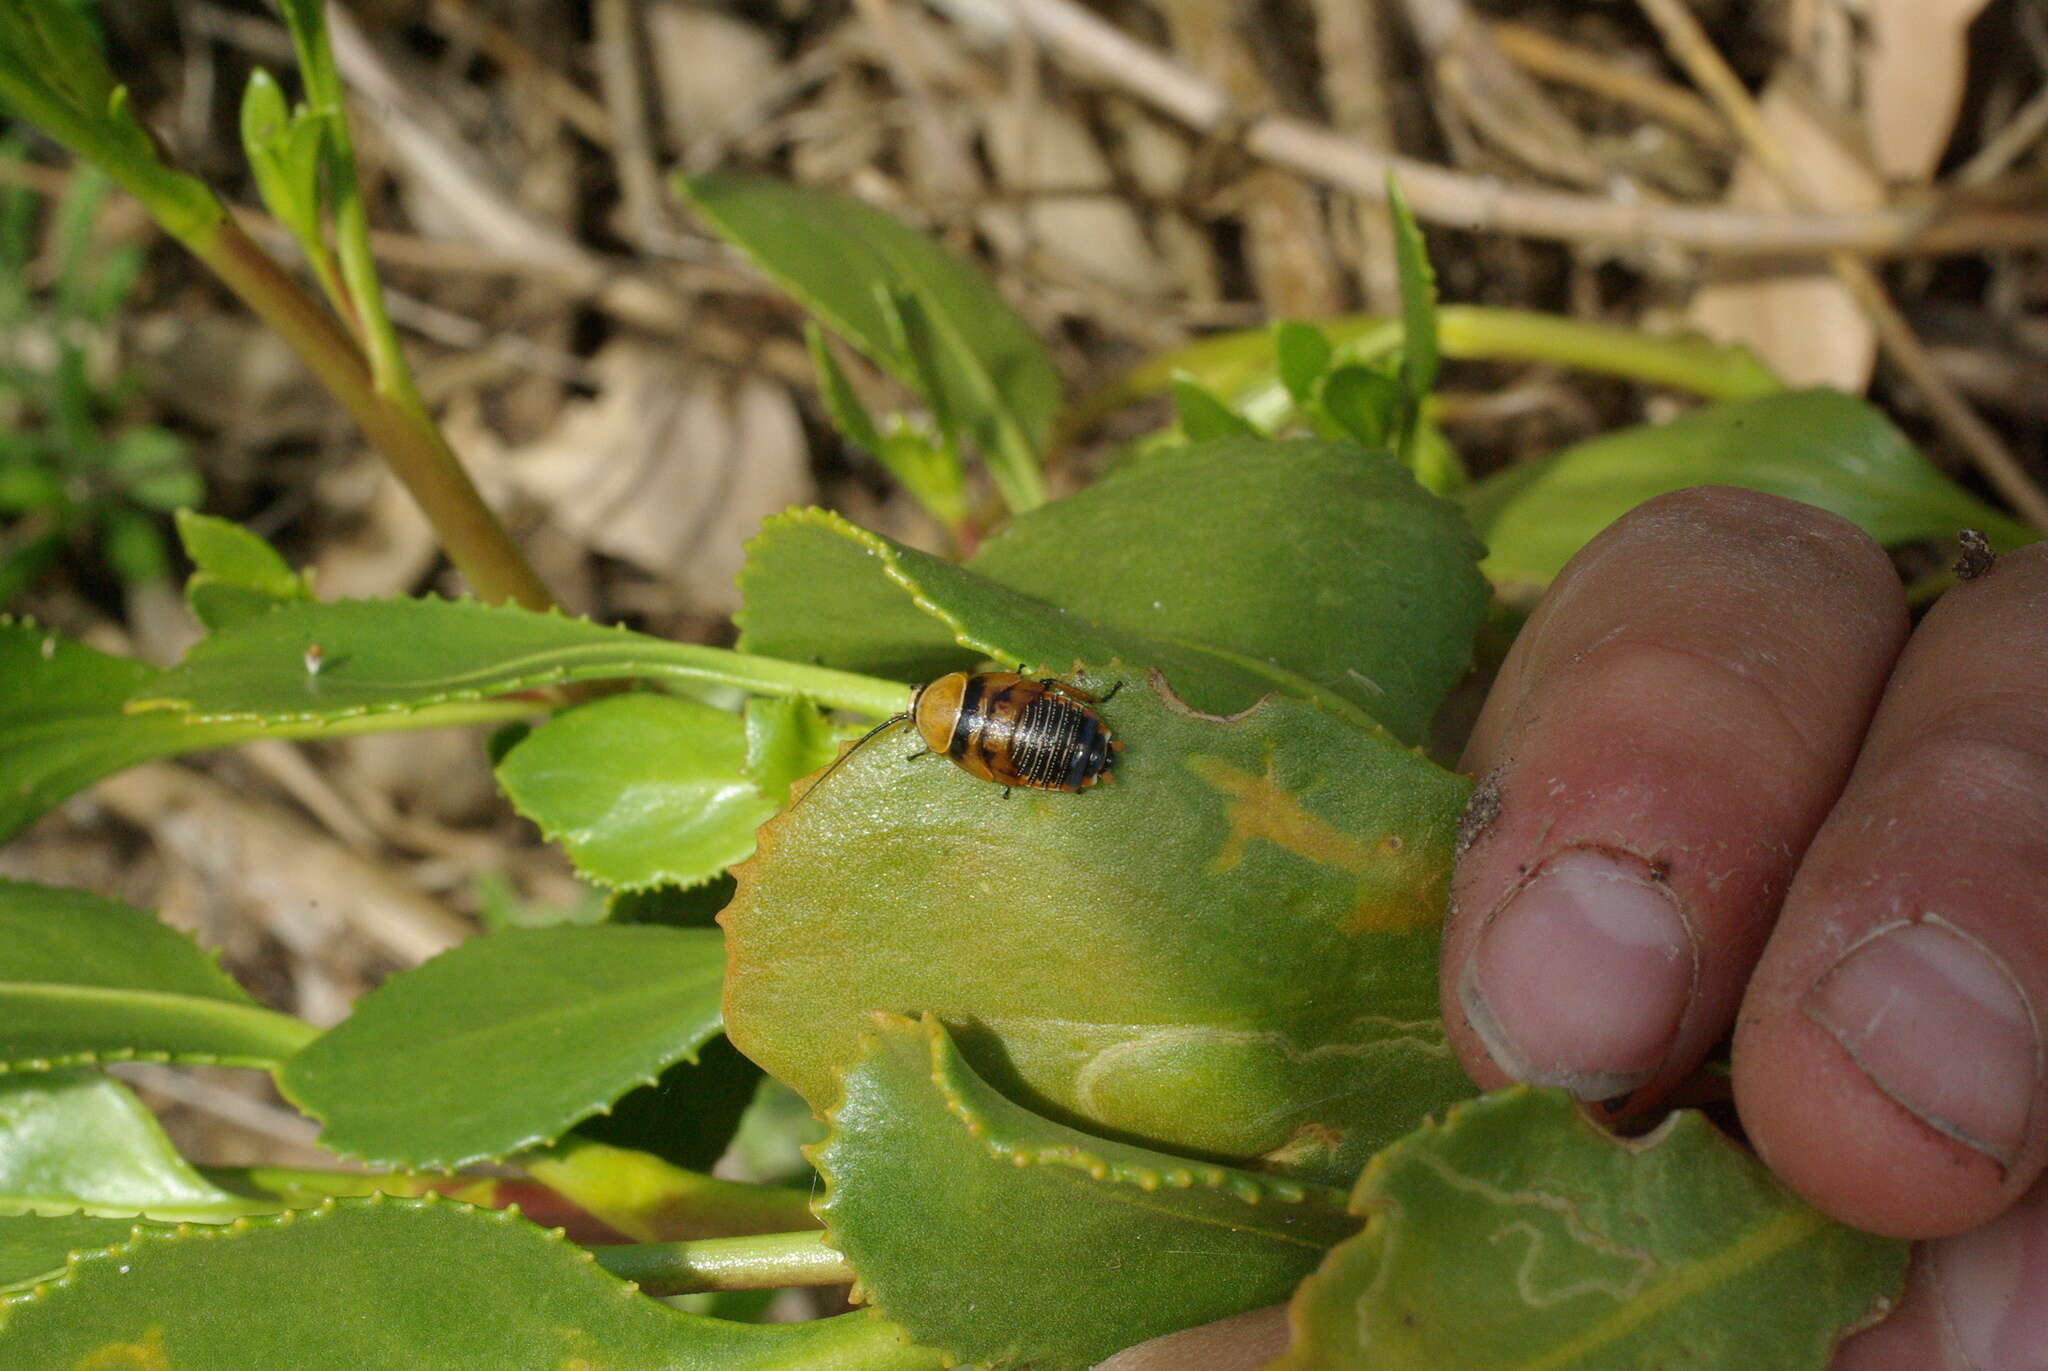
1035,145
1914,61
670,470
1794,314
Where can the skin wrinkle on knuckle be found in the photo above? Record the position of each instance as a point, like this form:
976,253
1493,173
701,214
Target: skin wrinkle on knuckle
1613,681
1775,537
1963,767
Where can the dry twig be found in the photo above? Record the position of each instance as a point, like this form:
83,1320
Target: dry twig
1482,203
1543,54
1695,52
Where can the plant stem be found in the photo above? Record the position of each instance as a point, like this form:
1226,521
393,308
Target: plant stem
765,1262
420,456
645,1197
1239,364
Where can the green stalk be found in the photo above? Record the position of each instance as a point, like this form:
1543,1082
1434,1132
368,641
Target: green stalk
397,425
765,1262
1241,368
644,1197
1015,468
51,73
871,695
273,1037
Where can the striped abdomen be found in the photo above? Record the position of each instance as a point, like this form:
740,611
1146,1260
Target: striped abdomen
1015,731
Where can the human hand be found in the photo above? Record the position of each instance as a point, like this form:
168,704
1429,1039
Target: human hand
1720,788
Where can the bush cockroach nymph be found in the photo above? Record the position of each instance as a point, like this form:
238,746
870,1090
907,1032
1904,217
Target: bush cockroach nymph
1005,728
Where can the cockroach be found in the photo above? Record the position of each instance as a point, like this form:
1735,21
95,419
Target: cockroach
1005,728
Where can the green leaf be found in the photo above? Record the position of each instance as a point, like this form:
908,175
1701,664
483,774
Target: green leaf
52,75
84,979
813,582
425,1284
1437,466
786,741
1517,1234
913,339
1324,560
382,656
1228,951
1204,417
817,588
63,723
1820,446
1302,355
652,1200
307,21
154,467
516,1037
1418,301
640,789
842,403
238,575
79,1141
1235,567
1365,404
1003,1239
133,544
834,255
690,1115
284,155
38,1245
670,906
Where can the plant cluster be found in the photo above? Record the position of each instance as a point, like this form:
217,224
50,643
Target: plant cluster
1091,1068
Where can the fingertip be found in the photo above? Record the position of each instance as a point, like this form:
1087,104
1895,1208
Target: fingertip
1977,1301
1850,1150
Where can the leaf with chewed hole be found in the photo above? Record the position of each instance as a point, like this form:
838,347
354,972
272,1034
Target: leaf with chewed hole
1004,1239
819,588
85,979
79,1141
1236,567
515,1037
1228,949
640,789
1516,1234
1323,559
427,1285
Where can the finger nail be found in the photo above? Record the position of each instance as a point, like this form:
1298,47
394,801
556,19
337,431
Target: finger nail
1582,974
1939,1025
1992,1284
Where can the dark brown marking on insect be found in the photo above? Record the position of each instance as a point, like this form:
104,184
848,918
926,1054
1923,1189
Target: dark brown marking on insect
1007,729
973,704
1975,557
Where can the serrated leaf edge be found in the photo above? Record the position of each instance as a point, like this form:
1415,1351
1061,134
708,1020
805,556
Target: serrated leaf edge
80,1261
527,1144
947,1068
1285,682
1679,1126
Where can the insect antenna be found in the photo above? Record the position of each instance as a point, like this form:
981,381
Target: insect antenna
840,760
